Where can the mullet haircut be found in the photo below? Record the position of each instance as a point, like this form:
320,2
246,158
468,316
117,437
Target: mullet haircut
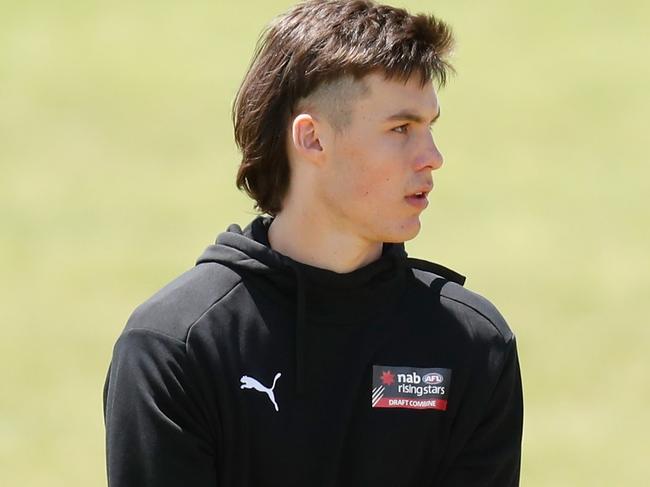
316,42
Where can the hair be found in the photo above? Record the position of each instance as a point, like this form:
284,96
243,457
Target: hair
333,99
315,43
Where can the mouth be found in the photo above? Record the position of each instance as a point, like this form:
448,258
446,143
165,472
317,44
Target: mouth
418,199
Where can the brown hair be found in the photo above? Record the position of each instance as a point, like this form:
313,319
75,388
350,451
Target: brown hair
318,41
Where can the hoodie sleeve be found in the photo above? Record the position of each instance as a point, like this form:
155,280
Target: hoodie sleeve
491,456
157,433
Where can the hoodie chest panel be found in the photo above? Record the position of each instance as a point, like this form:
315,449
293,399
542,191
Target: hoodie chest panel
405,445
331,430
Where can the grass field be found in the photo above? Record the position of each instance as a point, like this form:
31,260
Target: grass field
117,168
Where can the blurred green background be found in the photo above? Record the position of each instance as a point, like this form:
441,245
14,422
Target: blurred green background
117,167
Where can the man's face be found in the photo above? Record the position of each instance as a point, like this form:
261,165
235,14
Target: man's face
378,167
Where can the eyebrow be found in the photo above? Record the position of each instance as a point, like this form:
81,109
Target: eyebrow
411,117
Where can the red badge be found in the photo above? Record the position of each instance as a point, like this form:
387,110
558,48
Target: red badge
410,387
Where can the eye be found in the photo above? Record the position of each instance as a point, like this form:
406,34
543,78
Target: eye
402,129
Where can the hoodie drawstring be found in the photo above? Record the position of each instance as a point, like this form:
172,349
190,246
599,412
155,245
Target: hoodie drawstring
301,329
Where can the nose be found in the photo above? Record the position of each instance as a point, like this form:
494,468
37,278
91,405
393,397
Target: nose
430,157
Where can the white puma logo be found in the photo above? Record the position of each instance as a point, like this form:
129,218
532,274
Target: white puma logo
252,383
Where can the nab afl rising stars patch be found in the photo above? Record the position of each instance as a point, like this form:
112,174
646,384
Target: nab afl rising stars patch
410,387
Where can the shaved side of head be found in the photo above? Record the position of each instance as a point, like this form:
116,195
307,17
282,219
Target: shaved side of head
335,100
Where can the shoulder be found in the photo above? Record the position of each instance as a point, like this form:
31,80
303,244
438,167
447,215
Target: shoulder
173,310
476,314
475,308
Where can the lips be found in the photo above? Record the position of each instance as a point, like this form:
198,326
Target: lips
421,191
418,198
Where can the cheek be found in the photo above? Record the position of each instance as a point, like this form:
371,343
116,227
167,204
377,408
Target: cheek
350,165
367,167
365,177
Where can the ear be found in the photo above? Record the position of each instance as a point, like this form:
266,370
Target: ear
305,137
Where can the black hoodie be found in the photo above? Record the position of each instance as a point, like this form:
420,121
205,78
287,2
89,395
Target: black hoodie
252,369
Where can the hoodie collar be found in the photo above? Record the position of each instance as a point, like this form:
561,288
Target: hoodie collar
333,298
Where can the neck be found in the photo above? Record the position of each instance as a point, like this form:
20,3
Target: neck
294,234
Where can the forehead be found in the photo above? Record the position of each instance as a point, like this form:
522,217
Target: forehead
386,97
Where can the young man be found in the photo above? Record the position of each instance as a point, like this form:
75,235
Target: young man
307,349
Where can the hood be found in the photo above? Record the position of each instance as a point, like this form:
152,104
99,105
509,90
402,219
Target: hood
322,297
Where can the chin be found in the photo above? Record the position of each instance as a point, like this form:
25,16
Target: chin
403,232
